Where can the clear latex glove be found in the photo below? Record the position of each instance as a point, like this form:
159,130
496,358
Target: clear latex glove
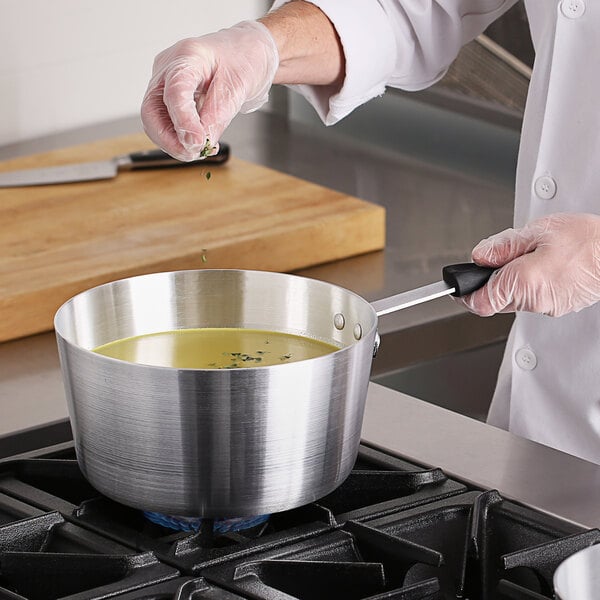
550,266
199,85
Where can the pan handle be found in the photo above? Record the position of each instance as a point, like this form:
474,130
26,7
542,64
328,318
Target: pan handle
466,278
458,280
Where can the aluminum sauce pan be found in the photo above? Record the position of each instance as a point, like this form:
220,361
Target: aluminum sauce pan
215,442
578,576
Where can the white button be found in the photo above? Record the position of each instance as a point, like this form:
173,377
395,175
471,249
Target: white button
545,187
572,9
526,359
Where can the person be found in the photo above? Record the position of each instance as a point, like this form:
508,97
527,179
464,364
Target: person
340,55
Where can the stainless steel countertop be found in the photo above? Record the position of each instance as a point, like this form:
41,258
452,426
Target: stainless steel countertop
436,213
484,456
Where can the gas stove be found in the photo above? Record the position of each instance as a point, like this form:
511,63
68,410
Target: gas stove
392,530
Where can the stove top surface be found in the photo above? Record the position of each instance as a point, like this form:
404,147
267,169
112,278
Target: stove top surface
391,530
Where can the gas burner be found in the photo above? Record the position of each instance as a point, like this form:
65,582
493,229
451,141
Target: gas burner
219,525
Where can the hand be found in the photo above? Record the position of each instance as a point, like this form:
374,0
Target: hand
550,266
199,85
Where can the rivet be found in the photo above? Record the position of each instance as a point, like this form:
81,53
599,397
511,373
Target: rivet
339,321
357,331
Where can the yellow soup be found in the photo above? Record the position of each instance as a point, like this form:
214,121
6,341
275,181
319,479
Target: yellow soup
215,348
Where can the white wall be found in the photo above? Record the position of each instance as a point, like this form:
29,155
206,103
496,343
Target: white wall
68,63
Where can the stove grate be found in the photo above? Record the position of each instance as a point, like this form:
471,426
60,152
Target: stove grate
475,545
391,531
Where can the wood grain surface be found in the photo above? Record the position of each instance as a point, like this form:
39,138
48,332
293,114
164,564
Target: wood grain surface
59,240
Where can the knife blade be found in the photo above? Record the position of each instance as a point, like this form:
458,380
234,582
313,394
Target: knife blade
107,169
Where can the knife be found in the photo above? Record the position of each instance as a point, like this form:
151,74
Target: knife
107,169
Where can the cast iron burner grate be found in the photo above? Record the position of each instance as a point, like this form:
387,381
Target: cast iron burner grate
474,546
392,530
379,485
45,557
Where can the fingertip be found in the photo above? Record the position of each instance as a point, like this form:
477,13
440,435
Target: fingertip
478,303
215,150
190,142
165,138
489,253
484,260
158,126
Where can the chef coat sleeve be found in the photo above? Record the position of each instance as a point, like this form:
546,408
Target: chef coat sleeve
406,44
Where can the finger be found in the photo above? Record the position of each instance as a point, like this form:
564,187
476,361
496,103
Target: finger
505,291
503,247
182,88
480,302
158,125
521,285
221,103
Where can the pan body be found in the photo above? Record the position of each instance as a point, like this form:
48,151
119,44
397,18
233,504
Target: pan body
578,576
216,442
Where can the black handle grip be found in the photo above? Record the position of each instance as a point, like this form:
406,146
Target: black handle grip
157,159
466,277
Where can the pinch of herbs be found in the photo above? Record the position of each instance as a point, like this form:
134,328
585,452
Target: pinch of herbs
207,149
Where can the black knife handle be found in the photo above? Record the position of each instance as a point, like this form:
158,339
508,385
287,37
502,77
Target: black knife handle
466,277
158,159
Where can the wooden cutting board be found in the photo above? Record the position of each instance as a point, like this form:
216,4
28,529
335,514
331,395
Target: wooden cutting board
56,241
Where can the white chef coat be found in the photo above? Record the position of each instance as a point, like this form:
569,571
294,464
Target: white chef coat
549,383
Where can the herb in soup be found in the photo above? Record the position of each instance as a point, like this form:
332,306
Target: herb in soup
216,348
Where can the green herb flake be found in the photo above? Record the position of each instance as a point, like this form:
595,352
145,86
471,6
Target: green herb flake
208,175
207,149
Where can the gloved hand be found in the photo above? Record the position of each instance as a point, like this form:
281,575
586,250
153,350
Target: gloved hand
199,85
551,266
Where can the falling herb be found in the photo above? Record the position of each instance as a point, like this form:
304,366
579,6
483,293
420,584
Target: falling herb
204,258
207,150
